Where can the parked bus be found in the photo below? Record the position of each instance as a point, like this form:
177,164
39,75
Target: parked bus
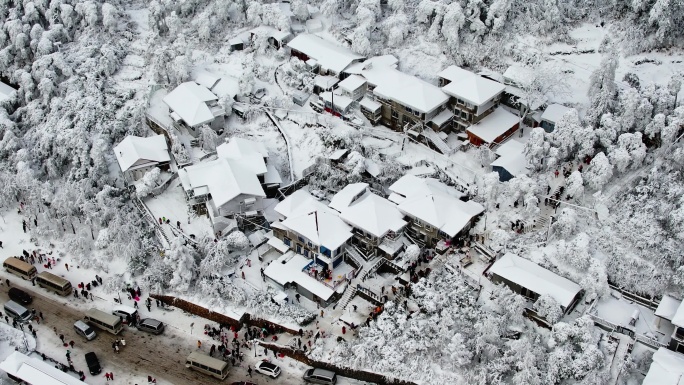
54,283
20,268
207,365
104,321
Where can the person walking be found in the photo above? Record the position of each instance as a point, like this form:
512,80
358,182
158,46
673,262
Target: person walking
199,344
107,376
67,266
71,343
212,350
61,337
111,375
249,371
135,304
344,330
149,306
123,342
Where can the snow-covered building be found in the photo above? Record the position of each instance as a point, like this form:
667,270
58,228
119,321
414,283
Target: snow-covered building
672,310
667,368
290,271
552,115
324,83
35,371
336,103
511,161
193,105
136,156
433,210
494,128
377,222
332,58
531,281
254,156
354,87
473,97
406,100
6,92
221,86
357,68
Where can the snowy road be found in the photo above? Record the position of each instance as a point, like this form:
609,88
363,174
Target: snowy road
162,356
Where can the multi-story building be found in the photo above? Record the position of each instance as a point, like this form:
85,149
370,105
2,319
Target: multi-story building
672,310
330,58
377,223
192,106
137,155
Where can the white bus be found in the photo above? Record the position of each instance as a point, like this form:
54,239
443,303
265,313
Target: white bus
104,321
34,371
207,365
54,283
20,268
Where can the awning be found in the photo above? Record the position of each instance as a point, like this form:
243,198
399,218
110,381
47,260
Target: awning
278,245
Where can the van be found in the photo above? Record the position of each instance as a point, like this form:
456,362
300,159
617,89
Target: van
103,321
19,296
93,363
85,331
320,376
150,325
18,312
123,312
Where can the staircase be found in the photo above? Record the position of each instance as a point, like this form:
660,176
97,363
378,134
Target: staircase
148,215
355,254
436,141
420,244
347,297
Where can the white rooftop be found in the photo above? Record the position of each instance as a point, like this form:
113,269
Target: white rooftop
338,154
35,371
251,154
409,185
535,278
226,86
517,74
299,202
6,92
474,89
667,308
322,227
205,78
347,195
352,83
373,214
667,368
328,54
678,318
222,178
272,175
512,157
189,101
342,102
288,268
405,89
494,125
370,105
554,112
453,73
442,117
375,61
325,82
134,150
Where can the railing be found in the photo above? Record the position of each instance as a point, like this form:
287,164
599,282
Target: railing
647,302
368,295
159,189
606,324
653,343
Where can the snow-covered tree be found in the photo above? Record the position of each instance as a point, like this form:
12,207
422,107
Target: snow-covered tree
565,223
208,138
600,171
148,182
574,186
602,89
547,307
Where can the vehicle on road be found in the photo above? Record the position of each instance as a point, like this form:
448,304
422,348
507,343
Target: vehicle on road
54,283
20,268
123,312
19,296
85,331
320,376
18,312
267,368
104,321
93,363
150,325
207,365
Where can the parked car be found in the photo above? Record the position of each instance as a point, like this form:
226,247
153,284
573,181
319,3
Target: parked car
150,325
93,363
84,330
268,369
19,296
320,376
18,312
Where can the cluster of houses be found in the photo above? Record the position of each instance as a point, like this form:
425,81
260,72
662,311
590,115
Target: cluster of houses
667,367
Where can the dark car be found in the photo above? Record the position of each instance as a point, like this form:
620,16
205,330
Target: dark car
93,363
19,296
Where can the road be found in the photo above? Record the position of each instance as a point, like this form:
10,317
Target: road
161,356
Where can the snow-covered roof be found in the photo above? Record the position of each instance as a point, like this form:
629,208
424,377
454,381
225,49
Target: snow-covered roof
224,179
373,214
35,371
226,86
272,175
494,125
453,73
370,105
521,97
554,112
134,150
338,154
474,89
288,268
236,41
6,92
325,82
405,89
280,35
512,157
322,227
205,78
678,318
372,167
409,185
442,117
300,201
378,61
347,195
352,83
342,102
517,74
189,101
667,308
667,368
251,154
328,54
536,278
441,210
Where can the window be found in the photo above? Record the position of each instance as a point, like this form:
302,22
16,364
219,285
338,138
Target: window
301,239
416,113
395,114
460,101
464,115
